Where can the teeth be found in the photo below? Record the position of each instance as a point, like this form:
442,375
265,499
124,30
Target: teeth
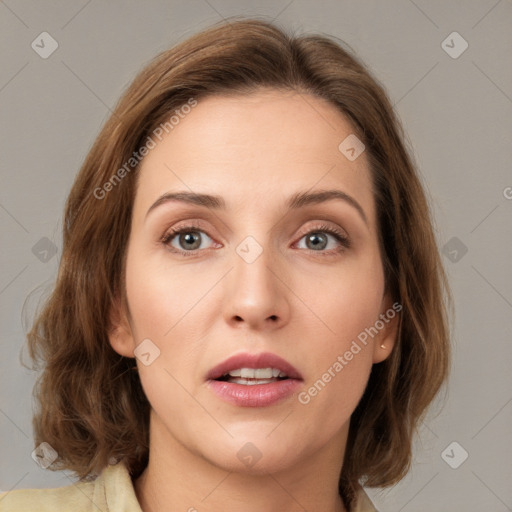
251,373
257,373
252,382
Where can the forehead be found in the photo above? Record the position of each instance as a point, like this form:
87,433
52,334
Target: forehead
255,149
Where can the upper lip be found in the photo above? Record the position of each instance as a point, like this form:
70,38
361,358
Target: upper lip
261,360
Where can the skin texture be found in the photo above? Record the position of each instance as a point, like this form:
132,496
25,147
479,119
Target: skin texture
303,302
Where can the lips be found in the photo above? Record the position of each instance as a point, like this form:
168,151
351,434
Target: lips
254,361
254,380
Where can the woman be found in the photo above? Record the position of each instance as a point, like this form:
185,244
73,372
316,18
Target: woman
285,358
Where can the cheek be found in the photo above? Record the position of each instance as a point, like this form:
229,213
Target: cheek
159,302
166,304
341,357
160,296
345,302
340,362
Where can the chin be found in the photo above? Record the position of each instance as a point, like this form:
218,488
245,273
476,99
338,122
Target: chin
256,455
266,462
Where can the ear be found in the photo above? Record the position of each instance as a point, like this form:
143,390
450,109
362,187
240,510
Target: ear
120,333
384,342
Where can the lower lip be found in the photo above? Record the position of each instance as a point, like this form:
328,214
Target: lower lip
258,395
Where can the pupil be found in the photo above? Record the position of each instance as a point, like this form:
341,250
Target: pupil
191,237
316,236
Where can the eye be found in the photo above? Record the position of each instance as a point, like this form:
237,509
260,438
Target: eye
318,239
186,240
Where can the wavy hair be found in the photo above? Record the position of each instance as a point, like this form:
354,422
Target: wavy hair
91,407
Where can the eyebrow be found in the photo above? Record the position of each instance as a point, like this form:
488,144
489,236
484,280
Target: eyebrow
297,200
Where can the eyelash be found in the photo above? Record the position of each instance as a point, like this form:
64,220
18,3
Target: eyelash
338,235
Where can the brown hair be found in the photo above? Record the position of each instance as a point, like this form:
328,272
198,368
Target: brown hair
92,407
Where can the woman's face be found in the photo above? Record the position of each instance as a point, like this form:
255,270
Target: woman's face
251,274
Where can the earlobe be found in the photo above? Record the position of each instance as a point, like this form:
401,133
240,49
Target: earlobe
120,333
385,341
384,344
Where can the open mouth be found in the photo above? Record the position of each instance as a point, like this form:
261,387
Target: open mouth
254,380
253,376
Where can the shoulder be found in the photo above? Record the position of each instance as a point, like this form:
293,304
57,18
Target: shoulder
111,491
79,496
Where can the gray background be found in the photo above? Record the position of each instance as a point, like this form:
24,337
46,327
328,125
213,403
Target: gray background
456,111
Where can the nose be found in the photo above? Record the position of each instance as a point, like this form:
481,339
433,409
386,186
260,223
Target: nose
256,294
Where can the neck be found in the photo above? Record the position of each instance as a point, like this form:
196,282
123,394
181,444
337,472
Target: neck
178,479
